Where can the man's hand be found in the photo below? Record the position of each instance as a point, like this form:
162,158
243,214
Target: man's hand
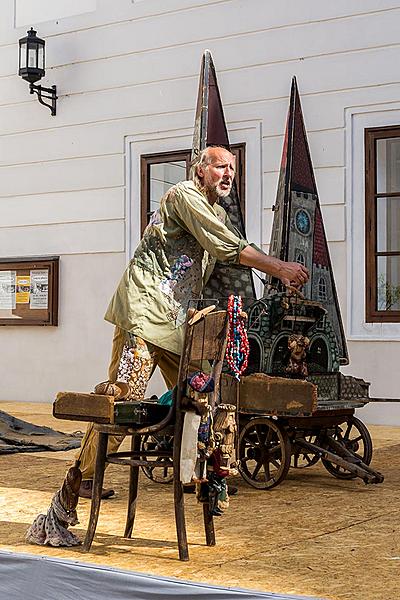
290,273
293,273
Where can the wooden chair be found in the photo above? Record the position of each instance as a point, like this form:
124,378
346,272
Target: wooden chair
205,340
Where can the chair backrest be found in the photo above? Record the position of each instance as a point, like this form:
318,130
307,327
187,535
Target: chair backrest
205,340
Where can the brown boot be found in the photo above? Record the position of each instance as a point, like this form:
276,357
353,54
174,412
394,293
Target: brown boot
86,489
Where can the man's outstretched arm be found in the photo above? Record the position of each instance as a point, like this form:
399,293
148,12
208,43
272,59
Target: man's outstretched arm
290,273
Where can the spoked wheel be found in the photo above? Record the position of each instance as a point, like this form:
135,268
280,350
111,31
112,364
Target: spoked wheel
163,474
264,453
302,458
355,437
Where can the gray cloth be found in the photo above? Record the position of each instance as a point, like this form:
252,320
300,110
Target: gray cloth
27,577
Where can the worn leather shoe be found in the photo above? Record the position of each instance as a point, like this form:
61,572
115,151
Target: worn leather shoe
120,390
86,489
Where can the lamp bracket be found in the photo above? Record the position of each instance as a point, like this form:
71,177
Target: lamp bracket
48,93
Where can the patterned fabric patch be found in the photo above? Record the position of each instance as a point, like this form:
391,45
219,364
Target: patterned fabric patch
155,218
135,366
178,270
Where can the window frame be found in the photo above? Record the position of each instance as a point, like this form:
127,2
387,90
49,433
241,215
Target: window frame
371,135
146,160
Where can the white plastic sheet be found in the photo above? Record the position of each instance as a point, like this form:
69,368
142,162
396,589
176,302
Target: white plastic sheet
28,577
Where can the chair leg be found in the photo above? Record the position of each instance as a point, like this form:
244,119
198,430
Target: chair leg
178,490
133,490
208,525
180,519
97,487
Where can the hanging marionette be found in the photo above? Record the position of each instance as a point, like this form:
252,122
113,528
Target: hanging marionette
197,435
222,461
200,385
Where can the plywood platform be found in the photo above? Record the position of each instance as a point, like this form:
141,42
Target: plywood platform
313,535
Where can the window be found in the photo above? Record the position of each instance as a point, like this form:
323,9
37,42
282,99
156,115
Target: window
382,219
322,295
160,171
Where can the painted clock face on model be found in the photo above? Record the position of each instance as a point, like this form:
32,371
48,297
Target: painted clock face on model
303,221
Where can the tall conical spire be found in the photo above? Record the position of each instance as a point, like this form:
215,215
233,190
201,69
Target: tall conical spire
210,130
298,232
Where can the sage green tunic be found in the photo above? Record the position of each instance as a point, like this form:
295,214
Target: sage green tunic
176,255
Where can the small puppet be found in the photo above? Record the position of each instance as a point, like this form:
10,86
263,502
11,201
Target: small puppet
221,463
52,528
197,435
297,365
200,385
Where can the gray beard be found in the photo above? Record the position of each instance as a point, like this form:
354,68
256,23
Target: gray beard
213,193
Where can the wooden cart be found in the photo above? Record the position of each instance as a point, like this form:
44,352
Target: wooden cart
287,423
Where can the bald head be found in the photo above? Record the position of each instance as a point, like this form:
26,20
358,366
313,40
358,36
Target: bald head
215,171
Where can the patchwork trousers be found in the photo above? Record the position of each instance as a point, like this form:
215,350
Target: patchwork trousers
132,360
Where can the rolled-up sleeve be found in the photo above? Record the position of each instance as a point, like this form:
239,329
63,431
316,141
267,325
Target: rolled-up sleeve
196,215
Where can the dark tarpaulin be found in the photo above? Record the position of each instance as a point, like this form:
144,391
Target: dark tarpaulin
17,435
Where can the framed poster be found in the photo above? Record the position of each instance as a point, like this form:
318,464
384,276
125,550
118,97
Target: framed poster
29,291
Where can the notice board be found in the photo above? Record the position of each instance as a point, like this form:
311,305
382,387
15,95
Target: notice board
29,291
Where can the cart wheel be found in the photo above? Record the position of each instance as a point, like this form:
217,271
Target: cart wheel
302,458
355,437
264,453
162,474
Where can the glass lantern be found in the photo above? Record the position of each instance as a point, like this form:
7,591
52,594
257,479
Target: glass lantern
31,57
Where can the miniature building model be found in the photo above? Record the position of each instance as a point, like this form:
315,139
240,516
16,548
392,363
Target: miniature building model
298,235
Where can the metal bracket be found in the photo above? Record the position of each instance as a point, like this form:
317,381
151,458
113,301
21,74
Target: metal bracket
48,93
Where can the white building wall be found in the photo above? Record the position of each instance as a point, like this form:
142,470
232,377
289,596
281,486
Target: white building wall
128,70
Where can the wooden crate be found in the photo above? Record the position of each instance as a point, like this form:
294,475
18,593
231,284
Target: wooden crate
75,406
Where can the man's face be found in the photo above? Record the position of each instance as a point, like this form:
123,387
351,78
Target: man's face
217,176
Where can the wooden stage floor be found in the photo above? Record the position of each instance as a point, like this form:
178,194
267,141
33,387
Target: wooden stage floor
312,535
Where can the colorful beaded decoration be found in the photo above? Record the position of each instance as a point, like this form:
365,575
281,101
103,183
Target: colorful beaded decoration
237,349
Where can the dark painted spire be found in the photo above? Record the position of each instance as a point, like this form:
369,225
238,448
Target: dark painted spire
298,232
210,130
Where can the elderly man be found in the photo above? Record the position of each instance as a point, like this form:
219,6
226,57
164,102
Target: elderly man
180,245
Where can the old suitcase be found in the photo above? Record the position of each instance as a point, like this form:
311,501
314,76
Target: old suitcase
139,413
264,394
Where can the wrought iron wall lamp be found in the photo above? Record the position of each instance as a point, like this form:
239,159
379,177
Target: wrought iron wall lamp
32,68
